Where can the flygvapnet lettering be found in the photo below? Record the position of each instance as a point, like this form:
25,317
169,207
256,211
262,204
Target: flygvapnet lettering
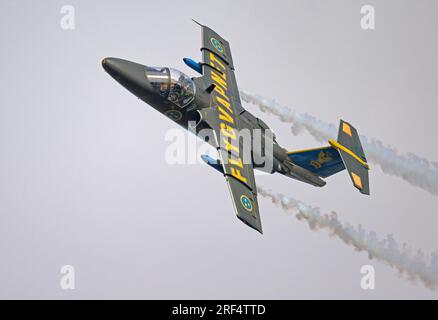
229,139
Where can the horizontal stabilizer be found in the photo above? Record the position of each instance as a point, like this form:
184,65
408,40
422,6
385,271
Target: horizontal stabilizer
349,138
346,153
350,149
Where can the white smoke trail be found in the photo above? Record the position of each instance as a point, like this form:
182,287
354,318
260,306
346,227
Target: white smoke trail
418,267
415,170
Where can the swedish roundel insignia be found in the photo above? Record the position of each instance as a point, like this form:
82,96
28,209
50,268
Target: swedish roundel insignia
218,46
246,203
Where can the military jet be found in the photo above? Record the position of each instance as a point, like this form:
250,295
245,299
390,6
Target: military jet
212,101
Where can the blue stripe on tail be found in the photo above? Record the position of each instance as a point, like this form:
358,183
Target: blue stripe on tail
324,161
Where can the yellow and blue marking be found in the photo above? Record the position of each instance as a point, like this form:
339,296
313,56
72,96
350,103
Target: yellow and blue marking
218,46
246,202
324,161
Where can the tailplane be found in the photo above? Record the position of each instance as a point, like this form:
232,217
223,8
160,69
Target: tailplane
345,153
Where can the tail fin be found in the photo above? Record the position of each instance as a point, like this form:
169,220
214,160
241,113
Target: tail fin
346,153
353,157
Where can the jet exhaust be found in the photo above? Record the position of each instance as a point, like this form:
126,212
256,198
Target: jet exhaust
418,267
413,169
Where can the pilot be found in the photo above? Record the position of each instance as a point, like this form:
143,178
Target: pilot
163,89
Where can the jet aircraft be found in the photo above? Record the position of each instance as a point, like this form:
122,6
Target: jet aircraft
212,101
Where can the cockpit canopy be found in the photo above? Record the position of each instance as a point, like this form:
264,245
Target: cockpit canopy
172,84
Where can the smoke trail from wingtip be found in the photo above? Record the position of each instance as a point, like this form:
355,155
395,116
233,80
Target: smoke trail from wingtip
417,267
415,170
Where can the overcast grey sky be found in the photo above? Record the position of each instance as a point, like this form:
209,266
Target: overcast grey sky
83,179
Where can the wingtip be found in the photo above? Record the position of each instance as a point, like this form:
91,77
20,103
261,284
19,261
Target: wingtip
197,22
257,228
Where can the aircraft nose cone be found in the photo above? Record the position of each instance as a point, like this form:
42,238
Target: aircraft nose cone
106,62
129,74
120,67
112,66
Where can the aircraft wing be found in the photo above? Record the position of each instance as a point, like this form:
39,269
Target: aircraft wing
223,117
238,173
217,65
